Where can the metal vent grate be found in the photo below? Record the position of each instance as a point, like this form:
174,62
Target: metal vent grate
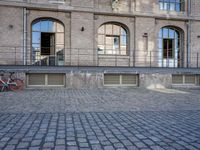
36,79
45,79
55,79
111,79
120,79
129,79
177,79
190,79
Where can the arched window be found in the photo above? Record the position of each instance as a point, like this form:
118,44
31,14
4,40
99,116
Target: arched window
172,5
170,47
47,42
112,39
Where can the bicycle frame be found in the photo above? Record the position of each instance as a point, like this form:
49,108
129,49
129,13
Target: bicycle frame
5,85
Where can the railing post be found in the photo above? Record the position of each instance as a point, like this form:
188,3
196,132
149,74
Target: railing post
150,59
15,56
115,60
174,62
197,60
78,57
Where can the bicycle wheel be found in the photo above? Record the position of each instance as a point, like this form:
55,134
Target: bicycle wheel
3,86
16,85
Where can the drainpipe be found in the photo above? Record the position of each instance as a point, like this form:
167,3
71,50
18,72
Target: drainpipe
189,35
24,35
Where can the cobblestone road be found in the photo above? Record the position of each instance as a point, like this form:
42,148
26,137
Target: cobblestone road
99,100
103,119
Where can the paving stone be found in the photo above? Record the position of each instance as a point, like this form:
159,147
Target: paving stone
164,121
109,148
23,145
34,148
60,147
9,147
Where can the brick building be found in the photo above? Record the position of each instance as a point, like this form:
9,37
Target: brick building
96,43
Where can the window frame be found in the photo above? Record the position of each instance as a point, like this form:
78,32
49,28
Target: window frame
59,28
168,50
165,5
122,29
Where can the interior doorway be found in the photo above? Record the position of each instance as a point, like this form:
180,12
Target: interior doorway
47,43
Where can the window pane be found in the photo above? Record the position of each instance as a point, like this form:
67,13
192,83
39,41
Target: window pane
109,40
172,6
123,32
101,30
165,6
60,38
123,40
101,49
59,48
109,29
161,33
101,39
178,8
161,5
160,45
36,37
109,49
35,47
116,42
165,33
52,26
116,30
36,27
171,33
44,26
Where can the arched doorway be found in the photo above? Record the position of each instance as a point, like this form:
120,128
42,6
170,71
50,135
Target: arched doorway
170,47
47,42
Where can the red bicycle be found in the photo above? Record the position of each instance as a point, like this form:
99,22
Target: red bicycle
13,84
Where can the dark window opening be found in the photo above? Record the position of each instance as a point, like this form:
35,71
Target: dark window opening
168,48
47,43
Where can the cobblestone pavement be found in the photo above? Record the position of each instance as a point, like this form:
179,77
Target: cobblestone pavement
100,119
101,131
99,100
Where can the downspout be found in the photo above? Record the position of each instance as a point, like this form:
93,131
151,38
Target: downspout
189,35
24,36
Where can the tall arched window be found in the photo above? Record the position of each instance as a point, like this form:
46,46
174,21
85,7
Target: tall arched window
47,42
170,47
112,39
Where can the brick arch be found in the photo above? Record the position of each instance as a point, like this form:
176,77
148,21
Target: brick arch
116,23
47,18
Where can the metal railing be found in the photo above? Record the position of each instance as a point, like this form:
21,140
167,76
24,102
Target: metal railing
90,57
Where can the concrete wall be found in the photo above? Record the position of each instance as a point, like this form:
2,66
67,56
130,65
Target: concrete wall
84,80
157,80
95,80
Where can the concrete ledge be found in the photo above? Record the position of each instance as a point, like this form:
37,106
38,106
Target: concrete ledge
135,70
